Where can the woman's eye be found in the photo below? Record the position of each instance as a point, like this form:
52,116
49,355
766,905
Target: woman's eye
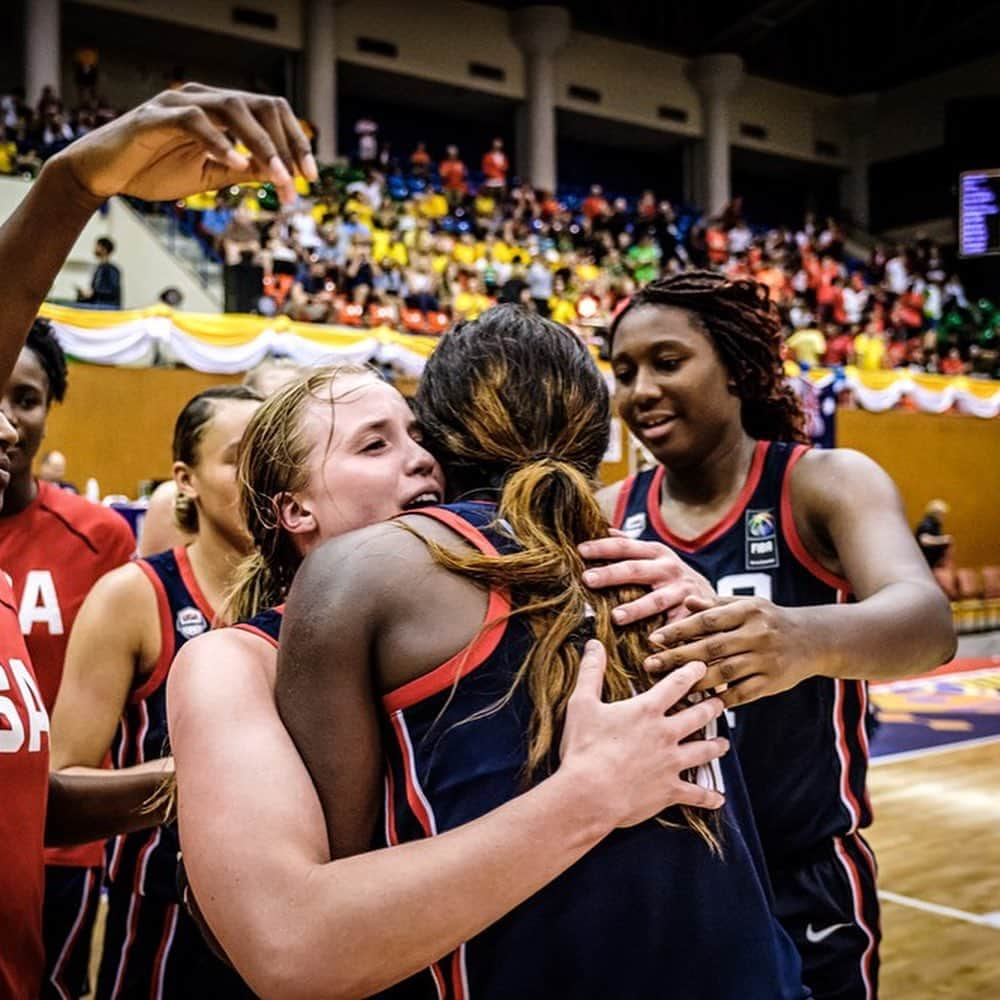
623,375
375,445
668,364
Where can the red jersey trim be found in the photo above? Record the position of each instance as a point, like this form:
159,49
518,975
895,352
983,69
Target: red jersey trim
163,661
191,582
621,502
791,533
476,652
259,632
709,536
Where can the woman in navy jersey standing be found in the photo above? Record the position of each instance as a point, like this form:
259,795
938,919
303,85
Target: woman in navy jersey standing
113,697
820,585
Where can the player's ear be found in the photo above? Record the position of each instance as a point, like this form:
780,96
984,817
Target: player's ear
183,477
294,514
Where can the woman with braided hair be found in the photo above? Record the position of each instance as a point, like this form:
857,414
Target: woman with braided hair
821,587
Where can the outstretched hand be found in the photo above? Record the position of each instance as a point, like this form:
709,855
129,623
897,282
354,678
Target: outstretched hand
184,141
631,753
751,646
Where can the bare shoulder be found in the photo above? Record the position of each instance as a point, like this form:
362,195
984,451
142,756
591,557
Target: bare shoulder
219,667
838,476
608,498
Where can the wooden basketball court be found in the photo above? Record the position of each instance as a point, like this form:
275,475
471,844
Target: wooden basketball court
936,839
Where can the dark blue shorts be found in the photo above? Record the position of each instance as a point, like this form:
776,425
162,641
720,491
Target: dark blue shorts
829,907
70,908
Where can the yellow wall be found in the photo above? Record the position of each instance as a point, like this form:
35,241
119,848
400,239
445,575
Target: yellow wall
953,457
117,423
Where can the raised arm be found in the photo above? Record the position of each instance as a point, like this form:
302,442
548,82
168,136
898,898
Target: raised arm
295,923
172,146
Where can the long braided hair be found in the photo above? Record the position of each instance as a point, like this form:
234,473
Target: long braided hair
742,322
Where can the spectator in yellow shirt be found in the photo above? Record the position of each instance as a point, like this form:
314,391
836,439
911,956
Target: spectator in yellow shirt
870,351
471,301
807,346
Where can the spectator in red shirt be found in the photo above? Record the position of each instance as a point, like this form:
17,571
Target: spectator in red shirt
453,175
839,345
420,161
952,364
495,167
595,205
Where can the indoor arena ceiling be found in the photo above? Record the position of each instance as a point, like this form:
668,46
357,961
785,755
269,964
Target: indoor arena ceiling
836,46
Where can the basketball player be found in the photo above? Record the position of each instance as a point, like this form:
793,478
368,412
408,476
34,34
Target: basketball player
55,545
172,146
340,450
424,671
821,585
126,635
160,530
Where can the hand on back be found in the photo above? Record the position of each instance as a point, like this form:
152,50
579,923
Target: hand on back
630,754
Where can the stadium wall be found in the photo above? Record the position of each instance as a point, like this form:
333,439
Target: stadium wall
147,265
930,455
440,42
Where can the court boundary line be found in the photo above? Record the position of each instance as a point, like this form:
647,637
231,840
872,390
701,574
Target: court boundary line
894,758
991,920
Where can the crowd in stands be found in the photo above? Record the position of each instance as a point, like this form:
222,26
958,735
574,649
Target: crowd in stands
417,242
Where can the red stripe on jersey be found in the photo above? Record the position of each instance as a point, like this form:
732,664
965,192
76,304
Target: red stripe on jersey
163,661
847,796
414,793
159,964
132,924
621,502
55,977
421,810
191,582
706,537
482,646
791,533
459,975
857,897
253,630
391,836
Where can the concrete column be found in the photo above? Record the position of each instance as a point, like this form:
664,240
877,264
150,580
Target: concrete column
861,111
541,31
717,77
42,48
321,70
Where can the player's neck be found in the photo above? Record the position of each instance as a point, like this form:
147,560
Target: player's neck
20,493
719,476
214,560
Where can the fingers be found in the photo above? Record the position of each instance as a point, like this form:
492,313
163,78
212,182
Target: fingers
749,689
298,144
590,679
618,547
644,572
733,670
663,695
666,598
698,797
699,752
697,602
716,618
693,718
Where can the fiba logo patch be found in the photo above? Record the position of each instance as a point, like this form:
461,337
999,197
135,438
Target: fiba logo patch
761,539
634,526
190,622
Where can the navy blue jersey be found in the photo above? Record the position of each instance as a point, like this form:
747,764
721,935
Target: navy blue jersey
804,752
649,912
146,861
266,624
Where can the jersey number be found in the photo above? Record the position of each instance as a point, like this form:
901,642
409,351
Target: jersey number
745,585
12,728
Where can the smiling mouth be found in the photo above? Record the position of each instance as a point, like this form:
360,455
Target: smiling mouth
652,428
428,499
